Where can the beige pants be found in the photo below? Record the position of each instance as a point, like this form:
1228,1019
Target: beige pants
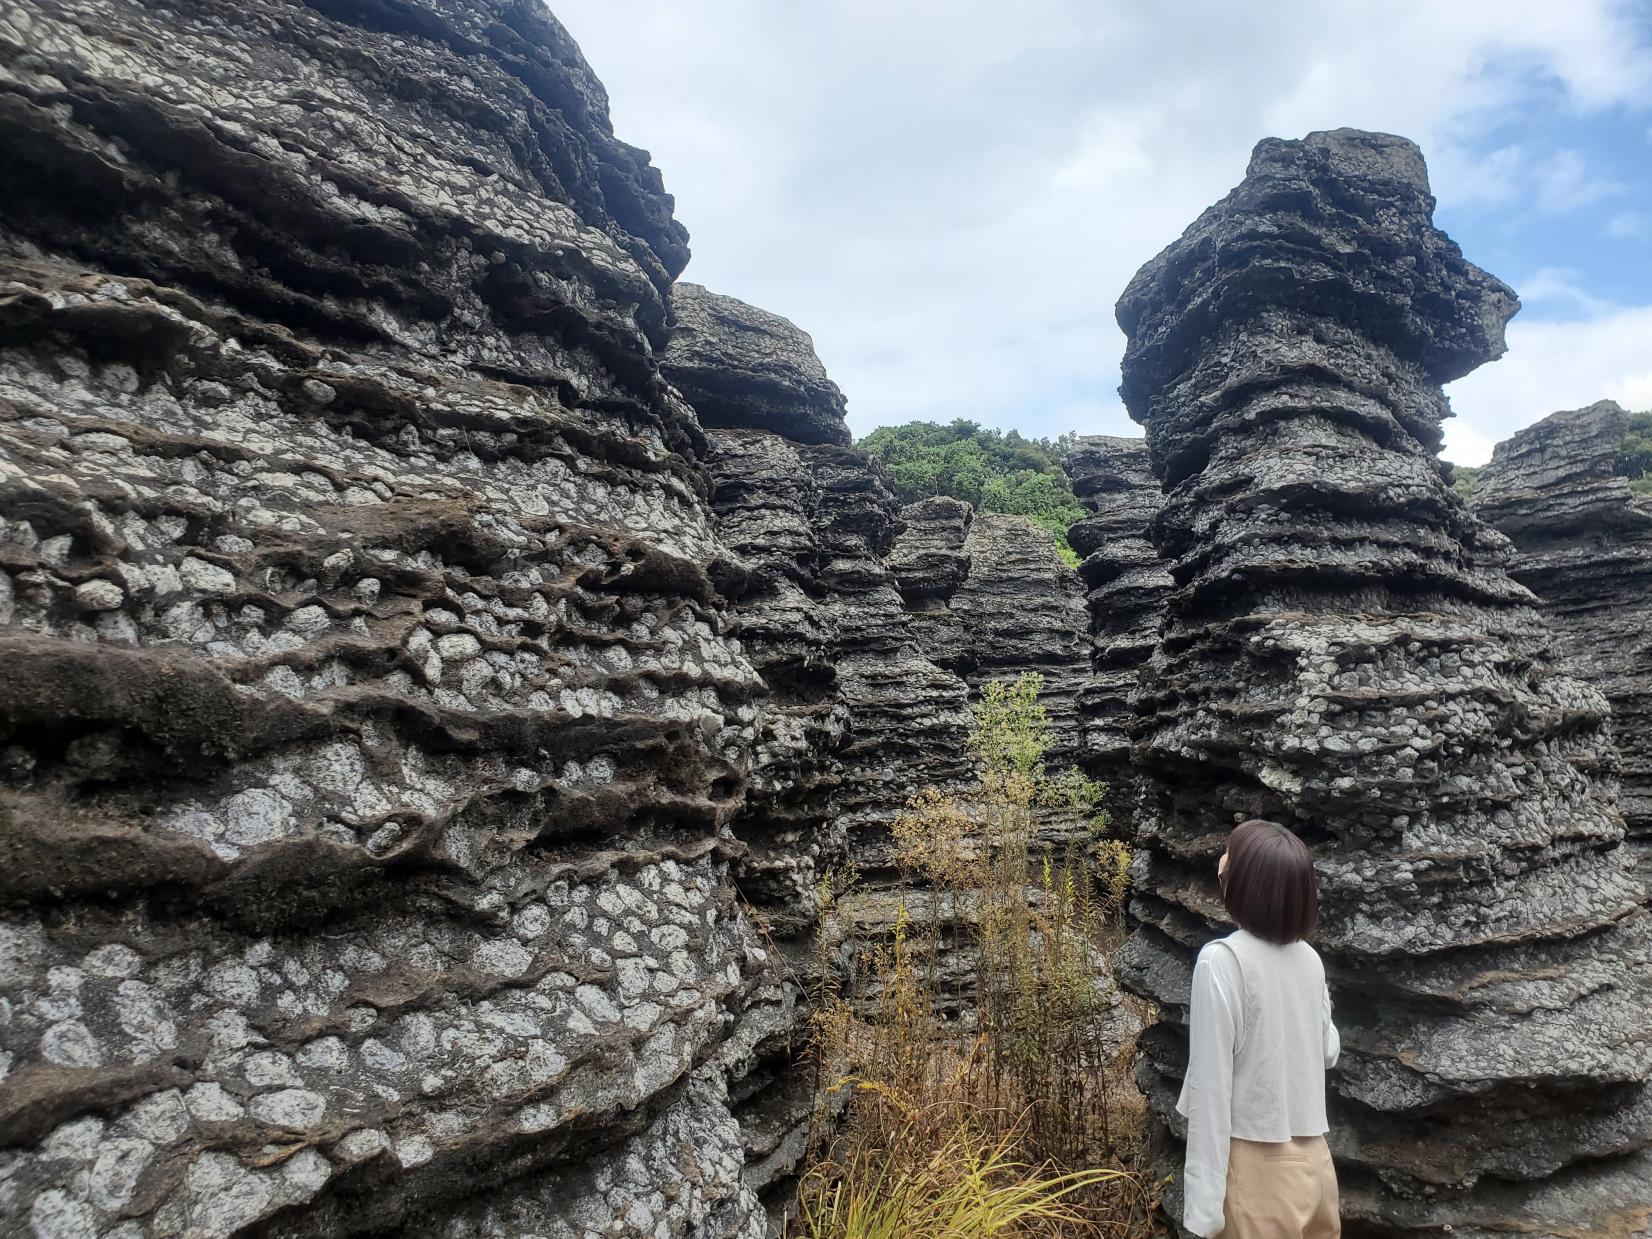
1281,1191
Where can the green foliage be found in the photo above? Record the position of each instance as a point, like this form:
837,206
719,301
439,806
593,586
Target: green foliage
1465,479
1635,454
994,470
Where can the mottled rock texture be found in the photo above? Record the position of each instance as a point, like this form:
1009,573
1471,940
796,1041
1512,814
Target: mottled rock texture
369,727
1584,546
1345,651
1127,585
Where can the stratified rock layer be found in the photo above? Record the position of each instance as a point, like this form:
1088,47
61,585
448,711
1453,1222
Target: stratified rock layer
1128,584
370,728
857,716
744,367
1584,540
1344,651
988,597
1022,612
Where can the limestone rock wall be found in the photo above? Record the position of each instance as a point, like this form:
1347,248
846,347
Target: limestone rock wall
861,715
370,729
1022,610
858,716
1127,585
1345,651
870,625
988,597
1583,543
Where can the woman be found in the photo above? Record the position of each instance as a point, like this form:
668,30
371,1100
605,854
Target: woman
1261,1038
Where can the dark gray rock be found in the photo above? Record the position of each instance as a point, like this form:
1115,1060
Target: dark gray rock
1584,546
928,559
989,597
857,716
909,718
1022,611
1127,586
371,726
1345,651
741,367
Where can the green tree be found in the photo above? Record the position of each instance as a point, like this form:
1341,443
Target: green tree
1635,454
1465,479
997,471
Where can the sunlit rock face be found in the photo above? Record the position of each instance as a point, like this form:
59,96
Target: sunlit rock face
1345,651
371,728
1584,546
1127,584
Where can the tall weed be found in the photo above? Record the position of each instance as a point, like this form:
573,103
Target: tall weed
1019,1116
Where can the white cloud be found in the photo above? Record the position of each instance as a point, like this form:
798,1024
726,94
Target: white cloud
1636,224
1559,284
1565,183
949,195
1552,366
1491,179
1465,445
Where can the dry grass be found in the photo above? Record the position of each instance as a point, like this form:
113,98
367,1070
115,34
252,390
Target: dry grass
1022,1118
969,1185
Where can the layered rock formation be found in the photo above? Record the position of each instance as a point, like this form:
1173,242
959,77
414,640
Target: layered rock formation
1584,546
742,367
1127,585
870,626
1022,611
989,598
858,702
930,565
371,728
1346,652
857,717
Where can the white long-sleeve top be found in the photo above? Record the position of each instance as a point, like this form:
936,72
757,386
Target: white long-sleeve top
1260,1039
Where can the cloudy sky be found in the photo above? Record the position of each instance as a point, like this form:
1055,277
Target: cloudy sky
949,195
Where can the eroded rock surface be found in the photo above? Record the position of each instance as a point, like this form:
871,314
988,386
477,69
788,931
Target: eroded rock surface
371,727
1584,542
988,597
1346,652
871,625
858,716
740,366
1022,612
1127,585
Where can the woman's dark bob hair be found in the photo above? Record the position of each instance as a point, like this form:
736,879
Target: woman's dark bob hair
1269,886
